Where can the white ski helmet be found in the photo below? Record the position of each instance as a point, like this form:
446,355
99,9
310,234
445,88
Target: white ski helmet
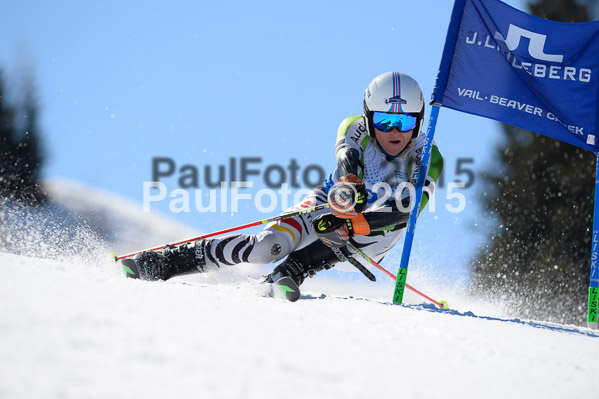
394,92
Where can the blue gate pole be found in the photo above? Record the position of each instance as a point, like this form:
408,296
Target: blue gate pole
594,278
402,273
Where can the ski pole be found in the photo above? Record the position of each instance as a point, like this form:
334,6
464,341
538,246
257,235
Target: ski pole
243,226
420,180
441,304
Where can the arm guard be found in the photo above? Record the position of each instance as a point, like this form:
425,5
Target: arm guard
348,162
390,220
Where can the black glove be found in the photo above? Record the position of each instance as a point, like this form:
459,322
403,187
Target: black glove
334,232
348,197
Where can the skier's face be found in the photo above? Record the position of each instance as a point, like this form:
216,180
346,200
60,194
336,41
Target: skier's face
394,141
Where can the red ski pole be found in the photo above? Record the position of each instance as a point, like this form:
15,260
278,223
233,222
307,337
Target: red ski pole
243,226
441,304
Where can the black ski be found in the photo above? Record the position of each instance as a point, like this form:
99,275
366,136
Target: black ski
130,268
285,288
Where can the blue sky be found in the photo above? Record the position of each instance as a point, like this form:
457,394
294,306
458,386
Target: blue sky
200,82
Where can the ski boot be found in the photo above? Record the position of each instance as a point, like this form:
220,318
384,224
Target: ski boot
306,262
166,263
286,278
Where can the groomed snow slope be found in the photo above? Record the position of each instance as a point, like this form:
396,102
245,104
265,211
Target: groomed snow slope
83,331
71,326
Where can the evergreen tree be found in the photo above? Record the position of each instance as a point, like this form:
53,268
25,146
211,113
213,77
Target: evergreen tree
537,259
20,150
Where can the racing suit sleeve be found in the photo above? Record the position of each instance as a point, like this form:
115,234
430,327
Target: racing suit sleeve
349,149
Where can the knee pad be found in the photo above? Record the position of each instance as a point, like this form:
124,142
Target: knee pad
269,247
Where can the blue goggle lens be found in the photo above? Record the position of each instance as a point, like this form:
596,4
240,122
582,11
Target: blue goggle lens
385,122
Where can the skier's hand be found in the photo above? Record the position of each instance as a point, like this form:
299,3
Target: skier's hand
348,197
334,232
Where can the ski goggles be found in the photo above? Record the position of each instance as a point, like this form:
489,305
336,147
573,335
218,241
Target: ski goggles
385,122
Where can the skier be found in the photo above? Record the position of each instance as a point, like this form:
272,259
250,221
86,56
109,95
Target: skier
377,154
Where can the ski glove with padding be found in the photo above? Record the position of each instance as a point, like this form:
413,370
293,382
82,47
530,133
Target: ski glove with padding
334,232
348,197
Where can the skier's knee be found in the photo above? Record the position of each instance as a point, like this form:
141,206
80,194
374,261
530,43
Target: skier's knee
269,248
